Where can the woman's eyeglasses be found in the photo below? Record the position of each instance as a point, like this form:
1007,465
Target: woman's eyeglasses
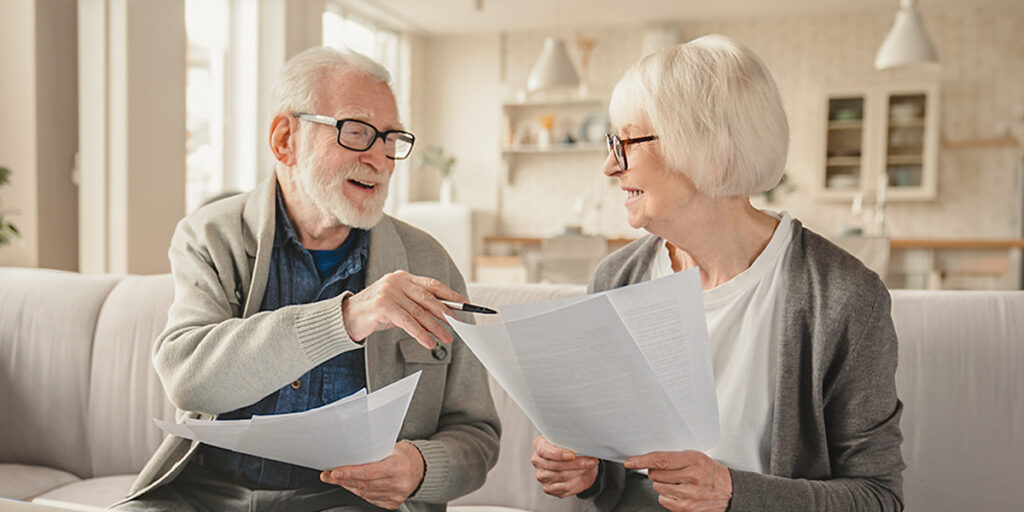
617,147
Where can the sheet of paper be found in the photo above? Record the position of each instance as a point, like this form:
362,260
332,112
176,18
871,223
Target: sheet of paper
662,320
610,375
513,312
357,429
490,344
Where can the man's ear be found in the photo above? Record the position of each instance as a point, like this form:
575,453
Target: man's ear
282,138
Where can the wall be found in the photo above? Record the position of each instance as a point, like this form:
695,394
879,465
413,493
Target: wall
982,69
457,72
57,132
39,138
17,139
132,126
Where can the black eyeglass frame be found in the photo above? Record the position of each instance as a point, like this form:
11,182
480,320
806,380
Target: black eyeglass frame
617,147
377,134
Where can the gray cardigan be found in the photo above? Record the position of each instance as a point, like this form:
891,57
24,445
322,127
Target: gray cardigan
218,352
836,437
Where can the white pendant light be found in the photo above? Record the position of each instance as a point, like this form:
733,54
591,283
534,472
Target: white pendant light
908,42
554,69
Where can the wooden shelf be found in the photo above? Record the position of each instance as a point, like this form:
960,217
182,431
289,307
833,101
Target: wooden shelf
529,149
846,125
994,142
843,161
498,261
904,159
564,102
535,241
950,243
917,123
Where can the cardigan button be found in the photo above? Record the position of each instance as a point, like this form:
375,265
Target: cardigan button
439,352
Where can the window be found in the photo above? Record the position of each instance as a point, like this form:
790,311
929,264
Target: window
342,29
206,26
226,131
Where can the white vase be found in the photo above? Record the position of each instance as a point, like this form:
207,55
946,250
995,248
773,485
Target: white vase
447,192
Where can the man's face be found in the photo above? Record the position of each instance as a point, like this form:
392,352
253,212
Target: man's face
349,187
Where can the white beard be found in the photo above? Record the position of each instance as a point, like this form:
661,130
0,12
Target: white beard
325,188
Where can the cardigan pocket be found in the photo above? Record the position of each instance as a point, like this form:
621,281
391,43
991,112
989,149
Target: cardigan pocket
425,409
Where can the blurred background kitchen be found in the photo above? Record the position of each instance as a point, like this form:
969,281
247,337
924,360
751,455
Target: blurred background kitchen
121,116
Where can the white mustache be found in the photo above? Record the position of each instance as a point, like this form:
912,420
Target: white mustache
363,172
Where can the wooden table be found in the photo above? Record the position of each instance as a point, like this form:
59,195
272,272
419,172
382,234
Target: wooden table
532,241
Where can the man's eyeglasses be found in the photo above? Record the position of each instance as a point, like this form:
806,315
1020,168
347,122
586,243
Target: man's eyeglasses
360,136
617,147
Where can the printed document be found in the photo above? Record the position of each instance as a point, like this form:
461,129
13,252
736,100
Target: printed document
357,429
609,375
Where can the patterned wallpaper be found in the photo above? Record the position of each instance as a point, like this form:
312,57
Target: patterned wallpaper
982,96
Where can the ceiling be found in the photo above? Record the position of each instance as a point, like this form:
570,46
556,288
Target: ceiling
488,16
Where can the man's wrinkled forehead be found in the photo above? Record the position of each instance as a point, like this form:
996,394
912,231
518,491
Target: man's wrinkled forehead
356,95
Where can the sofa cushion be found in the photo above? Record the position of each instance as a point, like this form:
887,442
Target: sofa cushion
95,492
125,393
961,379
22,482
46,327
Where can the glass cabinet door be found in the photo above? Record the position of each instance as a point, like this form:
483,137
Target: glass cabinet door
904,164
844,147
881,142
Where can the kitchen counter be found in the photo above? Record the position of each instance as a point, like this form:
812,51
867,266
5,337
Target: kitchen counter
895,243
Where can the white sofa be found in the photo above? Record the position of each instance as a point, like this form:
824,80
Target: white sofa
77,393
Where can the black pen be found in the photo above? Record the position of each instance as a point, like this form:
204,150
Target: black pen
472,308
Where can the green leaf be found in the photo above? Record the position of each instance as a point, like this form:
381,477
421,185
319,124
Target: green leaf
8,234
5,175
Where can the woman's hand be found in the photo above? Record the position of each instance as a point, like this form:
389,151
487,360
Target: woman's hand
560,472
686,481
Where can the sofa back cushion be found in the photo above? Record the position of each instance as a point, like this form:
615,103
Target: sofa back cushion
47,320
961,379
125,393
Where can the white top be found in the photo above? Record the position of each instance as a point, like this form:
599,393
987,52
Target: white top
742,315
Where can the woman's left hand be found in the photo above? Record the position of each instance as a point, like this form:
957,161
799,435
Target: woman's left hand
686,481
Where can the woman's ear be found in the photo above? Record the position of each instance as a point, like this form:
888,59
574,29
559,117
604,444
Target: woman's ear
282,138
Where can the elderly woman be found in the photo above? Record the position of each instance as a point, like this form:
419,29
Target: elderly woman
802,341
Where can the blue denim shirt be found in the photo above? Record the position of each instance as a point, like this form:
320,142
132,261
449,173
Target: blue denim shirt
300,276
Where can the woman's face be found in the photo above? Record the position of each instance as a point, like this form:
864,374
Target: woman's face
655,194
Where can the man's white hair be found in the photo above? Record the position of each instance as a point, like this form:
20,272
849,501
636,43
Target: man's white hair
297,85
716,111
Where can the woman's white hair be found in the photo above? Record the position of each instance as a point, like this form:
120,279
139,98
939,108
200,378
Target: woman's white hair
297,85
716,111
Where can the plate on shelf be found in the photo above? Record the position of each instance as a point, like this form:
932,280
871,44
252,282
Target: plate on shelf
594,127
842,181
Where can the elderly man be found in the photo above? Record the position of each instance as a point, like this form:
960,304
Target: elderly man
286,299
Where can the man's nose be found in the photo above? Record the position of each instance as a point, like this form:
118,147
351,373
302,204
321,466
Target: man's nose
377,157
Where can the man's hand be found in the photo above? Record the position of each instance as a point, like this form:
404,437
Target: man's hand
686,481
403,300
386,483
560,472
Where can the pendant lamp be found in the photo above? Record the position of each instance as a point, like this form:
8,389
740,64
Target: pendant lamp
907,43
554,69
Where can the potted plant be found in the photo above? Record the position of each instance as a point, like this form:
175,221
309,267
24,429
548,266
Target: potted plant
434,156
8,233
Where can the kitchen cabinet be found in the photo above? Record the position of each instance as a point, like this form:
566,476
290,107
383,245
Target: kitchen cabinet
881,142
